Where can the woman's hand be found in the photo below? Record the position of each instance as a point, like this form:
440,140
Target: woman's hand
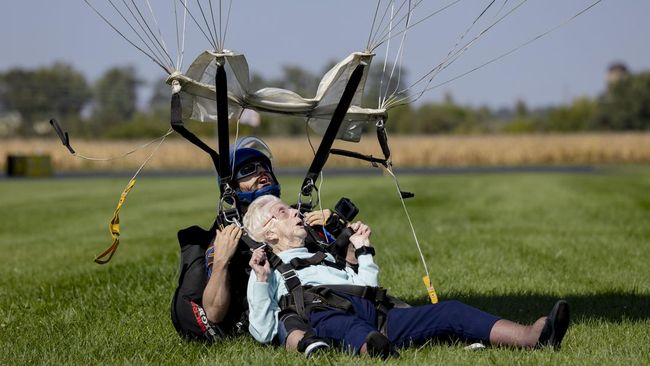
318,217
225,243
361,236
260,265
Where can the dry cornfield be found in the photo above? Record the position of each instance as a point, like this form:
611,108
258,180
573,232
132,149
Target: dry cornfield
407,151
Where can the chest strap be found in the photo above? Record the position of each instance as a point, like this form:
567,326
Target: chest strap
292,282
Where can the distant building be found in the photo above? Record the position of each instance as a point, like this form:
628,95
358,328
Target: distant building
616,72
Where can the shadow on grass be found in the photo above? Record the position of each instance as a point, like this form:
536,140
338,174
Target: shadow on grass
613,307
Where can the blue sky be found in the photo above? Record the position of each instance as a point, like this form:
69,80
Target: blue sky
568,63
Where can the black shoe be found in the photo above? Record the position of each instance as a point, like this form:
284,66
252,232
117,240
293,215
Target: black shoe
316,346
379,346
556,326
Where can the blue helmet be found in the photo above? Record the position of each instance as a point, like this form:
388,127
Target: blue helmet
241,154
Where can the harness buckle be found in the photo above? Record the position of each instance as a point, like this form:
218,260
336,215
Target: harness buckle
289,274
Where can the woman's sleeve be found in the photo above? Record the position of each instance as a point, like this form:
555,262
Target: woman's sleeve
368,272
263,308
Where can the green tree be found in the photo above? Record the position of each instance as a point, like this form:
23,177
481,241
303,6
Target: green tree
116,96
579,116
160,96
440,118
298,80
626,104
56,91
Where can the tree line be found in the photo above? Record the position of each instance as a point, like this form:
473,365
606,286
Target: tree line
108,107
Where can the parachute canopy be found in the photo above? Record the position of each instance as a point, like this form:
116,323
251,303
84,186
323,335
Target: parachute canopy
199,83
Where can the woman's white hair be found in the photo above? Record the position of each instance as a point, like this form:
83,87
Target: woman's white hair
258,215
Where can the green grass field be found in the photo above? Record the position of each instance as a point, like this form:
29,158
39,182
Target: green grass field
508,243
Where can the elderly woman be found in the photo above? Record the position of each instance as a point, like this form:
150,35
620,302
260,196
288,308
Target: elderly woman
272,222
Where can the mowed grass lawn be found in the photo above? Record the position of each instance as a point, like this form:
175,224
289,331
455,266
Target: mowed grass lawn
508,243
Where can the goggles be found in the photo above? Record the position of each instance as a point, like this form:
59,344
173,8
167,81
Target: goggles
249,169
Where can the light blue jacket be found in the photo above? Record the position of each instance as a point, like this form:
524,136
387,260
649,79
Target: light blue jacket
263,297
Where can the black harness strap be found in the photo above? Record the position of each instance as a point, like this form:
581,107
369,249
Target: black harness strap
332,130
178,126
222,166
221,84
382,137
369,158
304,299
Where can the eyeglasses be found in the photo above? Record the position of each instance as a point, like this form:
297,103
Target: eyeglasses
249,169
281,213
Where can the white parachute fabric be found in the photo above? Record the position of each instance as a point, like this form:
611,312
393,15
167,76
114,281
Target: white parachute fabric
199,82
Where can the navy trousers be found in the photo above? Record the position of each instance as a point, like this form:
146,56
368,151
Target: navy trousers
406,326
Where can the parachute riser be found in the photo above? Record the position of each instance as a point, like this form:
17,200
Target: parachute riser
223,132
325,146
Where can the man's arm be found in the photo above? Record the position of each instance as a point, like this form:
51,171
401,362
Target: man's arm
216,296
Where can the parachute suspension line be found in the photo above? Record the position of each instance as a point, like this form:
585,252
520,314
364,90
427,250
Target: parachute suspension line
456,55
159,40
180,41
372,26
469,28
375,32
398,58
505,2
387,28
151,36
384,37
402,101
225,30
380,100
114,225
150,56
391,22
160,35
217,33
187,9
205,19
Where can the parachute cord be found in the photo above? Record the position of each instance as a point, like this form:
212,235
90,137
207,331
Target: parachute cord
225,30
217,33
433,296
234,150
408,217
503,55
320,204
161,138
114,224
381,99
151,56
155,149
320,184
180,45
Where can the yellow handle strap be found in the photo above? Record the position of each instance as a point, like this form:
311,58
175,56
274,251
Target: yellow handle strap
114,227
432,292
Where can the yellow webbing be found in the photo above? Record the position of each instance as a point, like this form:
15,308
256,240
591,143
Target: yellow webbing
114,227
432,292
